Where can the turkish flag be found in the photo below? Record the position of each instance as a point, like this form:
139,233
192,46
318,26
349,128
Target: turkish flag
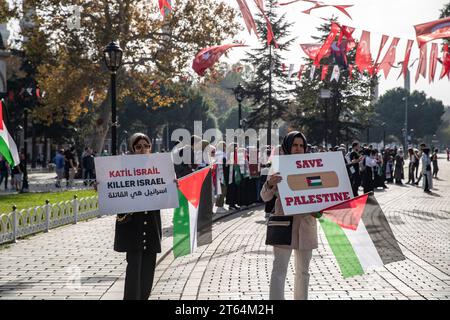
422,67
433,62
389,59
327,44
311,50
445,63
363,56
208,56
406,60
247,15
347,32
433,30
384,39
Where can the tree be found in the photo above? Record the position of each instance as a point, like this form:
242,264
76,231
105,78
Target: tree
340,117
268,86
156,51
424,114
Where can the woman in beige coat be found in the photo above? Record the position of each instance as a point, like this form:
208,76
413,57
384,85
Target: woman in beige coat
304,232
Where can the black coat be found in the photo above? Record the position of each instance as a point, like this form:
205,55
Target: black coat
138,231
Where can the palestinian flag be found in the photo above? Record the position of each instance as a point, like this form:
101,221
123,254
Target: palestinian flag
314,181
360,236
192,220
8,148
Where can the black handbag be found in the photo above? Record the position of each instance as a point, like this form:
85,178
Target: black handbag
279,230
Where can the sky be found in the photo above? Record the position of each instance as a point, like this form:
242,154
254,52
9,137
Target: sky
395,18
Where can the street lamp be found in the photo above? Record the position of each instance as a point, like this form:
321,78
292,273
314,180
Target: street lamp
113,60
406,121
239,95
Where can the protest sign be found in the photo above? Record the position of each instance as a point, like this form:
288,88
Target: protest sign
134,183
311,181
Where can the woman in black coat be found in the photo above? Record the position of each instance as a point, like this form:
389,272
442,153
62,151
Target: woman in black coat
139,235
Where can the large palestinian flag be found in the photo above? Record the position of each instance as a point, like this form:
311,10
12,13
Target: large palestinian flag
360,236
192,220
8,148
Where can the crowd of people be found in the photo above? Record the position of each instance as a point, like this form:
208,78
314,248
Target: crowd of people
371,169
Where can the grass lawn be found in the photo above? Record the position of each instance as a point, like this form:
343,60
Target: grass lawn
27,200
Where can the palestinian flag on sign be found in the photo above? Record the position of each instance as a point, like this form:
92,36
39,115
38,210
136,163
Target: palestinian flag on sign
315,181
8,148
192,220
360,236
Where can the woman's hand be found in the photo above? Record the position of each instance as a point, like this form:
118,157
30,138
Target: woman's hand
176,182
274,180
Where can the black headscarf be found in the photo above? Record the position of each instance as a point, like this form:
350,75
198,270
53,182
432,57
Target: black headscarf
289,140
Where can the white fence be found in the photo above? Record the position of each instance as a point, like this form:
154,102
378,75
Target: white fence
43,218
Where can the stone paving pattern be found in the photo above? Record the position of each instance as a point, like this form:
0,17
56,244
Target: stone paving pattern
77,261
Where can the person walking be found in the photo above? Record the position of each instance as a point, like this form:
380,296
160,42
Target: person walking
413,163
59,167
434,160
426,170
4,171
88,167
399,162
304,232
139,235
355,159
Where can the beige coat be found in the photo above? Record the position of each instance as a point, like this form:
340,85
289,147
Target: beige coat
304,230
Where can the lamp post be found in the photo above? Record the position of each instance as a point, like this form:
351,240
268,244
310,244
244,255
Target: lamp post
113,60
239,95
406,122
25,151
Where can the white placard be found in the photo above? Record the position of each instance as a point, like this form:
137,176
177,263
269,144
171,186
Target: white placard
312,181
135,183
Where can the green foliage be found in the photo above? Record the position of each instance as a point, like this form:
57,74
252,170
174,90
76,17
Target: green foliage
29,200
230,119
257,86
424,114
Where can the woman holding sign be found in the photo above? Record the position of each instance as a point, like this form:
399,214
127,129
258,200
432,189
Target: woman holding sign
304,232
139,235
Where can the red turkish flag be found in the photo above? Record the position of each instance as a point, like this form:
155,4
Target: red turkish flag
208,56
406,60
433,30
433,62
270,35
321,5
363,56
384,39
163,5
422,68
311,50
247,15
389,59
347,32
324,72
445,63
327,44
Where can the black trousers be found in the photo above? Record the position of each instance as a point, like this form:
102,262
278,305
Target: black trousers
139,275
